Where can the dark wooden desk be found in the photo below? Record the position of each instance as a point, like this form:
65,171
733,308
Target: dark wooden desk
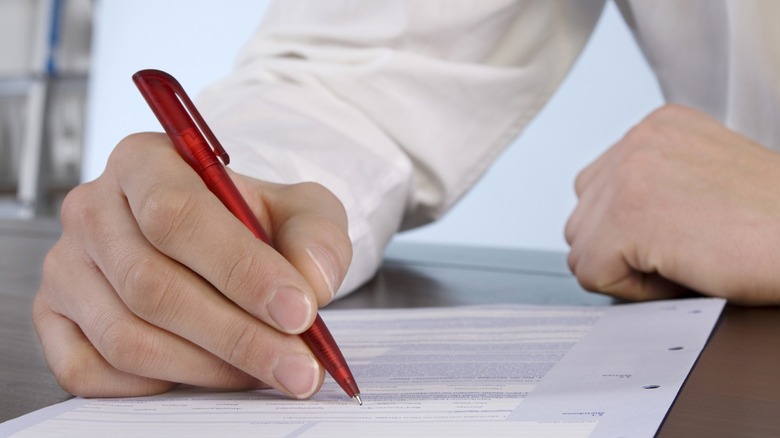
734,389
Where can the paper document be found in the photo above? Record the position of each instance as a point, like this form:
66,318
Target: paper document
493,371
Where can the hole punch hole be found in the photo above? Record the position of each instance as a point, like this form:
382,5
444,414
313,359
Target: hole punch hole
675,348
651,387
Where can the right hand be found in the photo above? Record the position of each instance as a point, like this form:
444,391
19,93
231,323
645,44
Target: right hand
155,283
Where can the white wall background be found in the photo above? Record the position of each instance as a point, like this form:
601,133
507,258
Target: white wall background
522,202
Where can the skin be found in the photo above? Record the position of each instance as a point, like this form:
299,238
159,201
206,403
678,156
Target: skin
154,283
680,203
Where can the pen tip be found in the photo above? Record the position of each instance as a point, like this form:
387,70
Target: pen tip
357,398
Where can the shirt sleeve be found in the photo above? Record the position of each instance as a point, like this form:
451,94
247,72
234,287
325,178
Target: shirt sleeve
398,107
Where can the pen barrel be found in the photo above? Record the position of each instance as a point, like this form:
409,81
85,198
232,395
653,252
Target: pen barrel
199,147
321,343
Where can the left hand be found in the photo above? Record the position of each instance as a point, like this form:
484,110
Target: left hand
681,202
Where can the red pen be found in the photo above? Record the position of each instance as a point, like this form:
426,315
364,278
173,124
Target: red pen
198,146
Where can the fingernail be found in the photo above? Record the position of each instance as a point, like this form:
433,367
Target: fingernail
298,373
325,265
290,308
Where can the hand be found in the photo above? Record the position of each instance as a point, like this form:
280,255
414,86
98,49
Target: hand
680,202
154,282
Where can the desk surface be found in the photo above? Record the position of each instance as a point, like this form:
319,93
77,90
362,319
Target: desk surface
734,389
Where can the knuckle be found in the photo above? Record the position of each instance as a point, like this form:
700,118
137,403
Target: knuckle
639,135
319,194
331,213
587,284
571,261
312,188
670,111
73,375
124,346
570,230
123,156
53,263
242,273
151,292
243,345
579,183
41,310
650,138
57,269
164,214
79,207
228,375
586,276
71,371
126,151
139,278
587,281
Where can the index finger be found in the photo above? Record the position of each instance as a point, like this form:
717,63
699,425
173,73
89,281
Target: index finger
183,220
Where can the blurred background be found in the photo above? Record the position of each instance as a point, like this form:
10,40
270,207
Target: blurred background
44,63
66,99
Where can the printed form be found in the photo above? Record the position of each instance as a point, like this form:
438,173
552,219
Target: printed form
496,371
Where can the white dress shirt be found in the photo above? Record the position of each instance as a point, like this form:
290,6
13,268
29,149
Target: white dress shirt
398,107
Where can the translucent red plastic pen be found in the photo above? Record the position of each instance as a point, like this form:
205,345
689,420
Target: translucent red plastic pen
198,146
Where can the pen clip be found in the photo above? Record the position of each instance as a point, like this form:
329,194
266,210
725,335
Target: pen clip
145,79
